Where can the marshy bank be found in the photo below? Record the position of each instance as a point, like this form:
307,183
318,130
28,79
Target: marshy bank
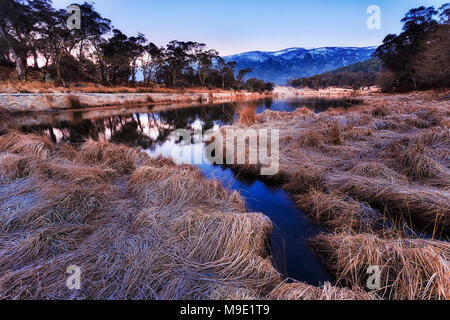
136,226
293,257
377,176
151,131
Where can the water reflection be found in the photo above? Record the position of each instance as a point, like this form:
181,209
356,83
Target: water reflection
144,127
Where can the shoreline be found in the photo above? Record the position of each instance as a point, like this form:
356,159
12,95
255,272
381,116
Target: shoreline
331,192
371,174
41,102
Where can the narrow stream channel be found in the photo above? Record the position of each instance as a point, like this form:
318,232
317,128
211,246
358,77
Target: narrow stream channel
152,131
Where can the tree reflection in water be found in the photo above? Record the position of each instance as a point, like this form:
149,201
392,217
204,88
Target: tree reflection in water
137,129
148,129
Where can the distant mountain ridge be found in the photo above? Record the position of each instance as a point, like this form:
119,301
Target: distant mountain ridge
281,66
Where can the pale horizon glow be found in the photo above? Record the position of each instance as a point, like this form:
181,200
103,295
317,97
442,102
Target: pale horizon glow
237,26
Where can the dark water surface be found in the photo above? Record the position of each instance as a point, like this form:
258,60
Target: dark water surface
142,127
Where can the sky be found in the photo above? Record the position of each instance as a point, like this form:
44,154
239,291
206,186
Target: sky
235,26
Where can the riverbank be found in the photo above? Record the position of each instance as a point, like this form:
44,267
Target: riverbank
38,102
377,176
282,91
137,227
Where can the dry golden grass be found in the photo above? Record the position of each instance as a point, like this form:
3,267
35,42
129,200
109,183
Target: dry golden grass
418,165
373,153
139,228
302,291
17,143
377,174
6,120
247,114
411,269
338,211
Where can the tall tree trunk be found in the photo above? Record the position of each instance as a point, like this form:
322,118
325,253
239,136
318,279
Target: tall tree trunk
19,65
174,79
133,72
35,57
58,67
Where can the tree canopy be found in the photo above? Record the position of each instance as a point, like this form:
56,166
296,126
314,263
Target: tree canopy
418,57
100,53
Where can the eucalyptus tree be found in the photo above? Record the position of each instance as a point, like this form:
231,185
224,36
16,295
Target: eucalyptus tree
226,71
241,75
178,56
16,26
136,49
203,60
398,51
151,61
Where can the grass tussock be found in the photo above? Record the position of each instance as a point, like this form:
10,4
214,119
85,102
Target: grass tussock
428,207
377,174
370,153
139,228
411,269
418,165
17,143
338,211
247,114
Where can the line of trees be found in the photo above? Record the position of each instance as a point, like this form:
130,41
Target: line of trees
32,31
356,76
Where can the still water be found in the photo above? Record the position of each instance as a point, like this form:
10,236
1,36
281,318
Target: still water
144,127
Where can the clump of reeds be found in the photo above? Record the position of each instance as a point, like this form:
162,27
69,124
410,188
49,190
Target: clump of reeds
436,138
17,143
305,178
247,114
339,211
13,166
378,170
418,165
117,157
411,269
380,110
303,291
425,206
182,185
334,133
313,138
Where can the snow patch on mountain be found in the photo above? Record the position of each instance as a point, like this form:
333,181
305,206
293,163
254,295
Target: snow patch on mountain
281,66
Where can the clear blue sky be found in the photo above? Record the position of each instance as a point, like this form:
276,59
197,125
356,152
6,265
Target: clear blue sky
235,26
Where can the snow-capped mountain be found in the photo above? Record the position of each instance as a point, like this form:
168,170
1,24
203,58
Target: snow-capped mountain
281,66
